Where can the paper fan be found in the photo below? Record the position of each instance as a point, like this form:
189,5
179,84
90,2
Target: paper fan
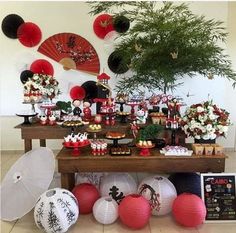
77,92
42,66
74,47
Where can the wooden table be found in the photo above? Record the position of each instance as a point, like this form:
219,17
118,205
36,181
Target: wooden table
86,162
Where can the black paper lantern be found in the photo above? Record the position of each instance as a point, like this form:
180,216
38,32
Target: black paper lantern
91,90
25,75
10,25
186,183
121,24
117,63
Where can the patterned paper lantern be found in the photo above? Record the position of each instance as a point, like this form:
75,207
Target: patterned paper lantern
29,34
134,211
118,185
77,92
160,193
94,178
186,183
56,210
189,210
42,66
105,210
86,195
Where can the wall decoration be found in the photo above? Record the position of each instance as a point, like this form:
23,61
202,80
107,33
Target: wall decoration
25,75
77,92
10,25
29,34
121,24
110,41
102,25
42,66
91,90
74,47
117,63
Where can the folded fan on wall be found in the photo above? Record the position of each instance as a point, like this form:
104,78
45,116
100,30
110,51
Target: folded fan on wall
72,51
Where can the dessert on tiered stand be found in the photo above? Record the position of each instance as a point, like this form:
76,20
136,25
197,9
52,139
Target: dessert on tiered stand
99,147
145,145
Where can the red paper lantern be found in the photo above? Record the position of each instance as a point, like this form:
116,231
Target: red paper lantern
29,34
102,25
134,211
42,66
77,92
189,210
86,195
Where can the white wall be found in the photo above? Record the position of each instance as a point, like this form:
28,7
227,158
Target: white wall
57,17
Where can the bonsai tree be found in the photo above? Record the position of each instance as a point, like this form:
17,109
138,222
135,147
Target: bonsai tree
150,132
65,107
167,43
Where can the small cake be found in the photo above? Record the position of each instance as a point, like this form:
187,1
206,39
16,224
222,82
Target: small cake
115,135
95,127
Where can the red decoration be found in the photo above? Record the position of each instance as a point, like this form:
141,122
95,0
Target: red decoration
103,76
102,25
42,66
189,210
29,34
72,51
77,92
134,211
86,194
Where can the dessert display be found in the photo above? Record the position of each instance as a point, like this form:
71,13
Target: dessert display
115,135
123,113
144,143
94,127
158,118
99,147
72,123
207,149
123,116
176,151
121,150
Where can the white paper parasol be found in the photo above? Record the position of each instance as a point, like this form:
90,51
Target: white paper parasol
26,180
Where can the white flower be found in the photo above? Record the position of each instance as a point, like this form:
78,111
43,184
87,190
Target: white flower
206,136
209,127
200,109
213,116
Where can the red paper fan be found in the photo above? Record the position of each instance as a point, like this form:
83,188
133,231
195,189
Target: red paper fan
72,46
77,92
42,66
29,34
103,25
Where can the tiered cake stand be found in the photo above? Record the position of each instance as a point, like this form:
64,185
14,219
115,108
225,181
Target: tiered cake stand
76,148
145,150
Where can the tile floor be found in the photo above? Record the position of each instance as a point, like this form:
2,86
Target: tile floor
87,224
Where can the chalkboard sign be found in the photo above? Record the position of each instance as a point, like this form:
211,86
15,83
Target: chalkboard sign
219,196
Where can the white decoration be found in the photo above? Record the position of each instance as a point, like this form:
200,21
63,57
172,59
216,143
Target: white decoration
118,185
105,210
56,210
160,193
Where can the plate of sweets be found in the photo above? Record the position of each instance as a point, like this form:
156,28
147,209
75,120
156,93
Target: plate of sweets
176,151
72,123
114,135
145,144
93,128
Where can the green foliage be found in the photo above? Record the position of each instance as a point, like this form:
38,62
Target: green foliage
65,107
150,132
165,44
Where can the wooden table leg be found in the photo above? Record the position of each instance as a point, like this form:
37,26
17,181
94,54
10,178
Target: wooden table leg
42,142
28,145
68,180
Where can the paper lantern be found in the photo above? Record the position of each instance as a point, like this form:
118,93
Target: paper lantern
105,210
29,34
10,25
189,210
25,75
134,211
160,193
42,66
103,25
77,92
86,194
56,210
117,63
89,177
121,24
186,183
91,90
118,185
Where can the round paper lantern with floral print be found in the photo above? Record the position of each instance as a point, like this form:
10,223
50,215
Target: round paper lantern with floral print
105,210
134,211
56,210
118,185
86,194
189,210
160,193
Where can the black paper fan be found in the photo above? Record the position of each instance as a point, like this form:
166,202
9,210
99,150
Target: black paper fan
25,75
91,90
121,24
10,25
117,63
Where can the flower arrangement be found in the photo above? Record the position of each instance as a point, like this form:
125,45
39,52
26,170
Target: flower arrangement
41,86
205,121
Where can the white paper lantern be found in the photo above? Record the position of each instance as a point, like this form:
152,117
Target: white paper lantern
105,210
160,193
56,210
118,185
94,178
